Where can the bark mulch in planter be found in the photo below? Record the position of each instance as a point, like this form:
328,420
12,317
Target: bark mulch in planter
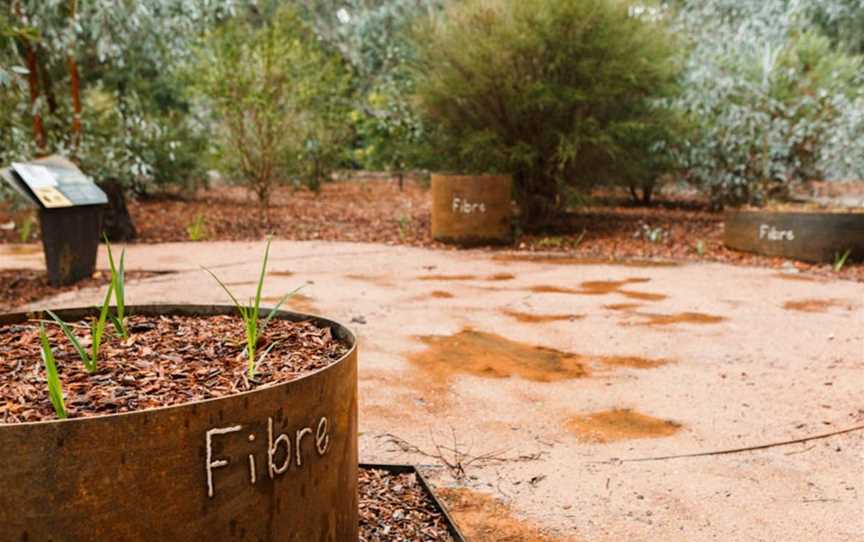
396,507
166,360
21,286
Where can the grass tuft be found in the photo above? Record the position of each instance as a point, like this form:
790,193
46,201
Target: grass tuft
251,313
55,388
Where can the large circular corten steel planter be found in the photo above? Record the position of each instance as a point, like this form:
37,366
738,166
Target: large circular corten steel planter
472,210
272,464
808,236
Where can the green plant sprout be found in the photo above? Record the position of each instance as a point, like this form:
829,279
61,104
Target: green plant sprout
97,330
579,239
403,227
700,247
840,260
251,314
55,388
196,230
118,283
26,229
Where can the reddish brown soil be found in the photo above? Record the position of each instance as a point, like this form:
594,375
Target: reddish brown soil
497,277
652,319
529,318
377,211
812,305
622,306
492,356
483,518
602,287
611,425
297,302
395,507
165,361
633,362
22,286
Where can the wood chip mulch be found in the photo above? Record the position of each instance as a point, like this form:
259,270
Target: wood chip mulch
678,226
166,360
394,507
22,286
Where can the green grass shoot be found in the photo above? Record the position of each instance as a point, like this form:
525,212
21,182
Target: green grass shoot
840,260
118,282
26,229
196,230
251,313
97,330
55,388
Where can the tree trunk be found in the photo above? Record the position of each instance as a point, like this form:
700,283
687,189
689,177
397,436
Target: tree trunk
538,203
75,85
117,223
47,82
647,192
32,83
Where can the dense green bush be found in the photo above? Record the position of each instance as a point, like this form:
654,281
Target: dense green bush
279,99
556,92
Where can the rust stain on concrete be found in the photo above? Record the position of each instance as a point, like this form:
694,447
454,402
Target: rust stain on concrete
492,356
619,424
483,518
699,318
812,305
529,318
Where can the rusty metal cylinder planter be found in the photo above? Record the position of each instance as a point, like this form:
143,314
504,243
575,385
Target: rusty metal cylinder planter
197,471
807,236
471,210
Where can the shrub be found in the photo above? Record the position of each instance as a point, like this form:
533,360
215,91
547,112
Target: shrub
555,92
776,100
374,40
280,101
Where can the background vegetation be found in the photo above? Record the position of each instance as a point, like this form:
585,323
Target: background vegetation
738,97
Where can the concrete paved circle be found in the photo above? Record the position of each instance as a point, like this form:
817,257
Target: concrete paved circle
673,360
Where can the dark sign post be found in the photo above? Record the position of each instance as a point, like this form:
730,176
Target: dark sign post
70,214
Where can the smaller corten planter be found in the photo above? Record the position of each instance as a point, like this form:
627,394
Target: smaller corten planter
275,463
807,236
397,469
471,210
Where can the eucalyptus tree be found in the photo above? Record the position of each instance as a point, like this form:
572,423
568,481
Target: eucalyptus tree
375,39
96,79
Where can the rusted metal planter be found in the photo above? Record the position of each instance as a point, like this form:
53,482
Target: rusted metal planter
807,236
185,472
471,210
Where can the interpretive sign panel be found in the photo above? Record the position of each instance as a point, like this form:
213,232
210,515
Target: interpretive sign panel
54,182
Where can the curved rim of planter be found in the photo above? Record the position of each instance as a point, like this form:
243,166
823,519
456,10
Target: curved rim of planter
178,309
